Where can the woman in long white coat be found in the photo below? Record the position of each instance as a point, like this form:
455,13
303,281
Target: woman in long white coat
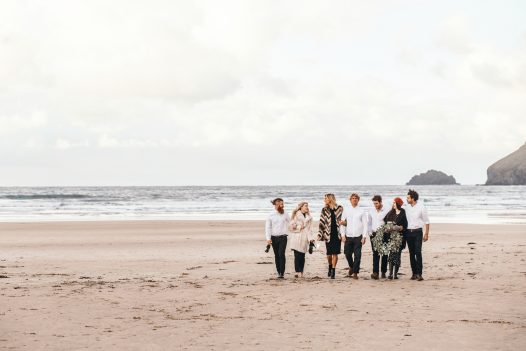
301,235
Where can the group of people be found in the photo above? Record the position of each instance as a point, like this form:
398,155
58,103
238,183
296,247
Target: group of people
351,226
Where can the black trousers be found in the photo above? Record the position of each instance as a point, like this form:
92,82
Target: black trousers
353,247
299,261
376,261
414,243
279,244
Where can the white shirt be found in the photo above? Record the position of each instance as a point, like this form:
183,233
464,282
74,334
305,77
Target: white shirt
376,218
416,216
276,224
357,221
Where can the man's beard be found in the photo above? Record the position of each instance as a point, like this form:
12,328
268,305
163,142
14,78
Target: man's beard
281,210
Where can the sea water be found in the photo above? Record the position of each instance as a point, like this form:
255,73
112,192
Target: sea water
445,204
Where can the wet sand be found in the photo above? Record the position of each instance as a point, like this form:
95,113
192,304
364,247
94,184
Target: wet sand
208,285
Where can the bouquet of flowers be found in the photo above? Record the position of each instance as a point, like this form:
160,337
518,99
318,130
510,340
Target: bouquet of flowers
384,248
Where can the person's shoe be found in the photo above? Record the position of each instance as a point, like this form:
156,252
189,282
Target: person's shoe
355,276
390,277
281,277
375,276
330,271
395,277
419,278
413,277
296,275
383,275
349,274
333,273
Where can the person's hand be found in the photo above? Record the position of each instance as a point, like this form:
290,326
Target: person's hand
294,226
364,239
269,242
426,237
344,238
341,222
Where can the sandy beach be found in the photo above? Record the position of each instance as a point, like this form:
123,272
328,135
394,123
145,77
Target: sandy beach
209,285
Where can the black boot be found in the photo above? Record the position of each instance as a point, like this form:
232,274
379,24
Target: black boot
333,273
330,271
396,272
390,271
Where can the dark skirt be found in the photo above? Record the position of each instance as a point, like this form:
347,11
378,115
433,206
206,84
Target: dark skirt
334,247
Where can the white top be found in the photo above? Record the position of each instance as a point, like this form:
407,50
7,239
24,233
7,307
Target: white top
276,224
357,221
416,216
376,218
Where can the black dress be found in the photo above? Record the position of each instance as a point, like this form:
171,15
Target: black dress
334,246
400,219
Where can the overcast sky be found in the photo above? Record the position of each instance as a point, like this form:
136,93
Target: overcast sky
258,92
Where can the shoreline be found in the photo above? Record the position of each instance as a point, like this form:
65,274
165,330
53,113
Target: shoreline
197,220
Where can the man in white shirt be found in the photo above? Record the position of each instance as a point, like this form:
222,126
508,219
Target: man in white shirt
276,229
354,224
376,218
417,219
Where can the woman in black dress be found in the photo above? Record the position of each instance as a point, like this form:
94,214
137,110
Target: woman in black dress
397,217
329,231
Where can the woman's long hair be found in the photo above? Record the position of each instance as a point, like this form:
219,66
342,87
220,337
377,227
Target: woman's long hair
391,215
298,208
332,201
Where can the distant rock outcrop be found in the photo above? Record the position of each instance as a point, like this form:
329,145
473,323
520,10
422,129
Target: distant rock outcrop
511,170
432,177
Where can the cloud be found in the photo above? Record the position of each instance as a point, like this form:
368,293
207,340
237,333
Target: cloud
14,123
64,144
258,88
454,35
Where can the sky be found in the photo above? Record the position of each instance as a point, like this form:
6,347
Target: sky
258,92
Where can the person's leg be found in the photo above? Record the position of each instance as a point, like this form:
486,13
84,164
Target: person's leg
418,253
282,248
348,250
397,266
357,251
376,260
411,246
384,265
275,248
301,262
329,261
334,263
296,261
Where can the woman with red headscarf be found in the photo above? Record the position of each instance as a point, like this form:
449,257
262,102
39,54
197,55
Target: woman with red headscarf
397,217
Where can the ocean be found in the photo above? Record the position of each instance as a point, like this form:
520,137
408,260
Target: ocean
446,204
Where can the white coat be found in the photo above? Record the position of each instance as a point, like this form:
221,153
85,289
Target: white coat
300,237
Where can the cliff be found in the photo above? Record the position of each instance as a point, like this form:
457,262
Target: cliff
510,170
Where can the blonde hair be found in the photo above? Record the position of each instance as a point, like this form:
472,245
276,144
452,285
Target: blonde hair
300,205
332,200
